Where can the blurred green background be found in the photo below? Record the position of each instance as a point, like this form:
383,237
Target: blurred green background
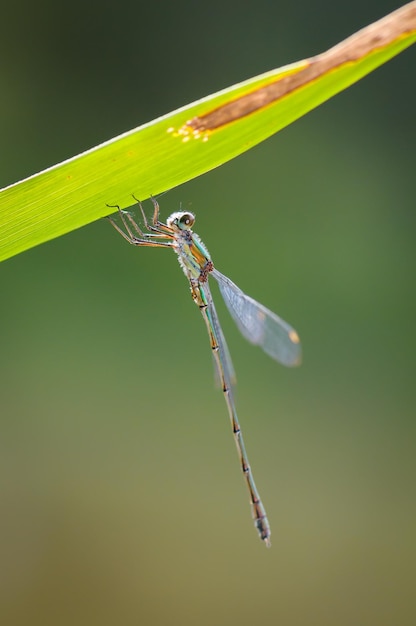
121,495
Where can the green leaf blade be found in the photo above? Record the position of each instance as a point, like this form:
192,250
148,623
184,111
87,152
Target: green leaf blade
192,140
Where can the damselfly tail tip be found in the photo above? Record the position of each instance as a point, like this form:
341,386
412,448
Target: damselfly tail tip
267,542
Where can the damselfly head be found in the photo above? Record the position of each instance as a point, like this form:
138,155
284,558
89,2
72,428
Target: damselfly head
181,220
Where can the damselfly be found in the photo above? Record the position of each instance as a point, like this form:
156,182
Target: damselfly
258,325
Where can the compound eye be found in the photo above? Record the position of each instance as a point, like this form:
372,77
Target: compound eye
186,220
